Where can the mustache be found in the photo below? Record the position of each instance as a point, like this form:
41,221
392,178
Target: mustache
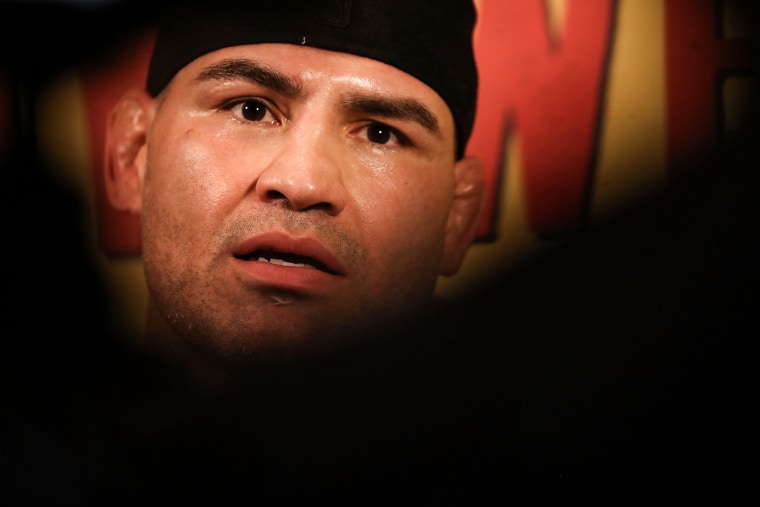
313,223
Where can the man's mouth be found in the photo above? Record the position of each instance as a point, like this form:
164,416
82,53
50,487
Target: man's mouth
285,259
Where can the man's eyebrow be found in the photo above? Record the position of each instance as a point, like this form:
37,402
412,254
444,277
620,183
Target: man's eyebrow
400,108
253,71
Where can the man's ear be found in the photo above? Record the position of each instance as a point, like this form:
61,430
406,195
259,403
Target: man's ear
125,149
466,209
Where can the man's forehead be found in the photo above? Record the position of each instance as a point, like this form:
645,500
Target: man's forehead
300,65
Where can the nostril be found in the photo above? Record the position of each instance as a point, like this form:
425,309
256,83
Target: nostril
324,206
275,195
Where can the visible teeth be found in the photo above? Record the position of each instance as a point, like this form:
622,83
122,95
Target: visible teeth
281,262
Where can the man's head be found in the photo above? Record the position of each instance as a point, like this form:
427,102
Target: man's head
299,170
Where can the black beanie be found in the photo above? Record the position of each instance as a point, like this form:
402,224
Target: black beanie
428,39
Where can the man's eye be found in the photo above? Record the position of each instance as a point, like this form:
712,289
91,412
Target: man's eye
380,133
253,110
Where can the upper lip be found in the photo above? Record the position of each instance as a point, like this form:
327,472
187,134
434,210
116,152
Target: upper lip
303,249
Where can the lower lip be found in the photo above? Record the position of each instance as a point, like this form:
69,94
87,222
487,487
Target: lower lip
284,277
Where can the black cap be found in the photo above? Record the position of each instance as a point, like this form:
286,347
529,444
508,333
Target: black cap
428,39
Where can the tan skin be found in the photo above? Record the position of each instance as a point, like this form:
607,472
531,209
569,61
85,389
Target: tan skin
341,162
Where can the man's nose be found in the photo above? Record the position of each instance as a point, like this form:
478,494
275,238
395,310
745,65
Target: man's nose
305,172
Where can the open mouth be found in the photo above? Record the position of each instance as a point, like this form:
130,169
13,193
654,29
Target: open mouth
285,259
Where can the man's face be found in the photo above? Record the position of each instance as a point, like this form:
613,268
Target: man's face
291,195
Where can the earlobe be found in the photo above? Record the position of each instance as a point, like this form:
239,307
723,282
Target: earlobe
464,217
125,149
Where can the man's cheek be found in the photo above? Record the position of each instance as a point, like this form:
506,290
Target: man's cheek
203,178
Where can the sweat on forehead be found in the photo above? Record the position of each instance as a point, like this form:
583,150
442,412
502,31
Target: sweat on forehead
428,39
